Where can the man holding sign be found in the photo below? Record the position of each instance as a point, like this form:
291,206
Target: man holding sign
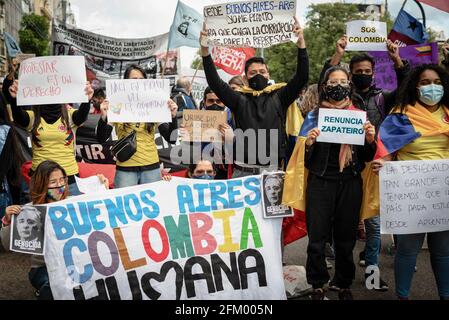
47,83
259,109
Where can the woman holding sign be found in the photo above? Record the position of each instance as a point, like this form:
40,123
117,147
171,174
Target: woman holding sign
49,184
334,187
418,129
143,166
53,130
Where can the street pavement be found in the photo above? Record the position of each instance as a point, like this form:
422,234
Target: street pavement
14,269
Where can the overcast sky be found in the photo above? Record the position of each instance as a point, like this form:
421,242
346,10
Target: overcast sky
145,18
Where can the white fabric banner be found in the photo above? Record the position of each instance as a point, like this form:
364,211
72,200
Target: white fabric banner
414,196
183,239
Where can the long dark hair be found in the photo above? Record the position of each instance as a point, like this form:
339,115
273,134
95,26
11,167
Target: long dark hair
37,116
149,126
407,92
40,180
12,156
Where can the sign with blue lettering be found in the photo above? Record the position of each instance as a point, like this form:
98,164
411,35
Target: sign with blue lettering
341,126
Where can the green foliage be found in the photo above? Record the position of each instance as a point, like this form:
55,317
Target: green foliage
325,25
34,35
197,61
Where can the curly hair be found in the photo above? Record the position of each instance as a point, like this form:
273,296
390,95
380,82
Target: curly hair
408,94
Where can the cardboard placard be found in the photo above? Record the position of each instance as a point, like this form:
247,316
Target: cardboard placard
203,125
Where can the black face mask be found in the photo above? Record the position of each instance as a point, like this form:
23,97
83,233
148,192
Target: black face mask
258,82
337,93
362,81
215,107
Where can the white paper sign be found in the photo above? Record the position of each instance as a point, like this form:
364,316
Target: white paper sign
366,35
90,185
414,196
258,24
51,80
341,126
138,100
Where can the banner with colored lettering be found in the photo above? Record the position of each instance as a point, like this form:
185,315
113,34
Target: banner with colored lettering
232,60
108,58
256,24
384,73
183,239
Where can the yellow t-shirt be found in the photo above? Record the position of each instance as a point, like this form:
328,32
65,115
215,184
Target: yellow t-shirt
428,148
146,153
54,142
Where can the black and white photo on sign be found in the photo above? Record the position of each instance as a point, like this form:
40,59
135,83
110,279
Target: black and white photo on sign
111,66
272,189
27,234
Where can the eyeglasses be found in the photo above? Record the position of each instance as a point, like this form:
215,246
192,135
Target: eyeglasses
201,172
212,101
336,82
59,182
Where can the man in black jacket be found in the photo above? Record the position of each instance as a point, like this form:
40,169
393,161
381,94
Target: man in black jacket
259,111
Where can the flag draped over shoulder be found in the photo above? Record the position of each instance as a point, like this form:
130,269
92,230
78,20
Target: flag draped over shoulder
407,30
294,228
398,130
296,172
186,27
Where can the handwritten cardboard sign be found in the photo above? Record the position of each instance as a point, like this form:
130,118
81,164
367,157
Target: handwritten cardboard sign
366,35
341,126
258,24
138,100
414,196
203,125
51,80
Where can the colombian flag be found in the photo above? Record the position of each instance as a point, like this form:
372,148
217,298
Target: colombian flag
295,184
399,129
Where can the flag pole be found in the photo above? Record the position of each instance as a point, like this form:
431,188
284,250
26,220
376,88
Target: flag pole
196,71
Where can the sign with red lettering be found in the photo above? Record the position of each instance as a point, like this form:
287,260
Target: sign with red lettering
232,60
51,80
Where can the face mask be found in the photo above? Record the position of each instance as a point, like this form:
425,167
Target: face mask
215,107
362,81
56,193
337,93
431,94
203,177
258,82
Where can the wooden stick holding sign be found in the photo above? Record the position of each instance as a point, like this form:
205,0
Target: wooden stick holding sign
366,35
52,80
202,125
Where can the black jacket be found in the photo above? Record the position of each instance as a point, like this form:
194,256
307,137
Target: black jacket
266,111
